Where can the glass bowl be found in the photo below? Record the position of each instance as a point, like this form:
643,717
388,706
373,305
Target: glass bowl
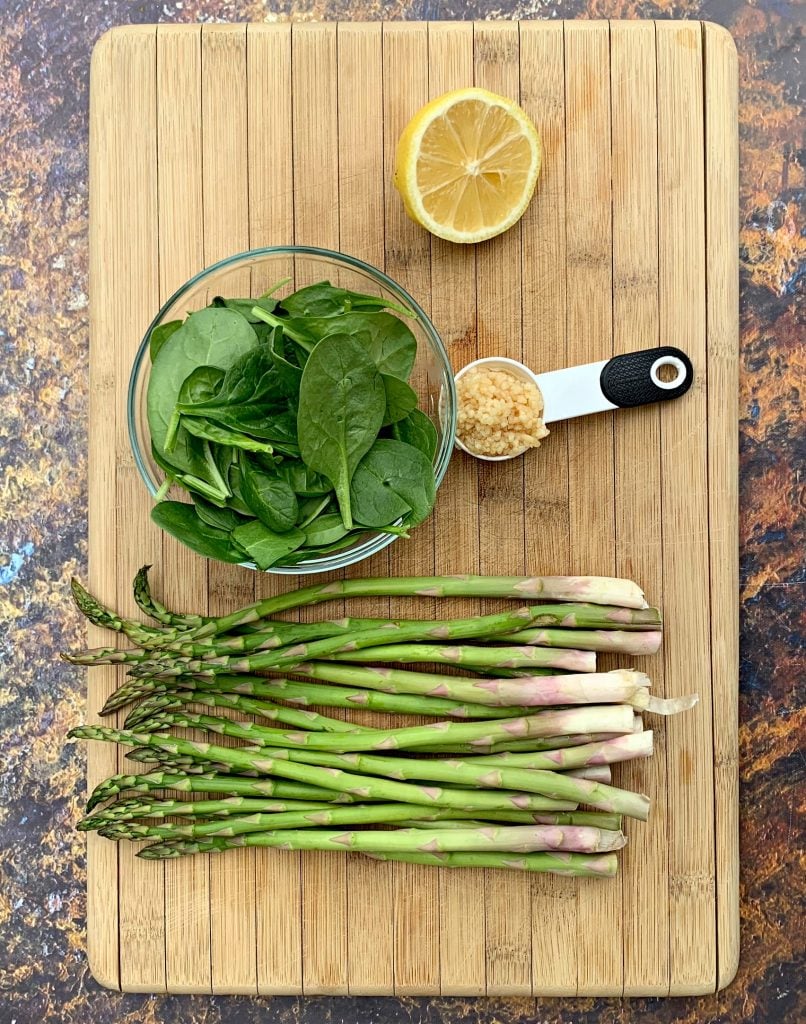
250,274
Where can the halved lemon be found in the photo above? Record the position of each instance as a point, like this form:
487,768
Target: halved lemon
467,165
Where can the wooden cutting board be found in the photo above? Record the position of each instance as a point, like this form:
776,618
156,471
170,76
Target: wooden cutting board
206,141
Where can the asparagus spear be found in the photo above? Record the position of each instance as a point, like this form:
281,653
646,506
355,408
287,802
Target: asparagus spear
621,748
605,640
302,694
314,817
273,712
504,657
509,838
588,589
236,806
573,864
528,691
148,604
182,782
366,787
608,718
579,838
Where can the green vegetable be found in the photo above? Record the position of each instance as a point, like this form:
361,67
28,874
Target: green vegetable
388,341
325,530
200,427
160,335
269,497
263,409
393,480
310,508
341,407
246,306
214,515
303,481
400,399
264,546
288,372
323,299
418,430
183,522
211,337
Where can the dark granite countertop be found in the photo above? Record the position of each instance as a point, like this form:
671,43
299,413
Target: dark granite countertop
44,63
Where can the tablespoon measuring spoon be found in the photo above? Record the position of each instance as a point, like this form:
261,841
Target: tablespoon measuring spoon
622,382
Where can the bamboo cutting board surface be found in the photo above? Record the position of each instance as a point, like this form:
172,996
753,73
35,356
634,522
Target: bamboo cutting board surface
206,141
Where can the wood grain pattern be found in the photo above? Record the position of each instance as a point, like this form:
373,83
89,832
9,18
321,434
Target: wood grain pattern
274,134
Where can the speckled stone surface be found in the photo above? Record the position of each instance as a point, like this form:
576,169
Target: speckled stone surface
44,64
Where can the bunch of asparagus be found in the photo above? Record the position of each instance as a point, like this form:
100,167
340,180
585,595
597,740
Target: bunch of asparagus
514,747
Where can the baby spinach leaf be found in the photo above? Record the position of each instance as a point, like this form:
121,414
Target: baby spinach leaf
204,476
289,376
183,522
160,335
245,306
214,515
310,508
237,500
305,554
388,341
393,479
263,546
418,430
268,496
304,481
400,399
341,407
323,299
211,337
201,386
324,530
223,435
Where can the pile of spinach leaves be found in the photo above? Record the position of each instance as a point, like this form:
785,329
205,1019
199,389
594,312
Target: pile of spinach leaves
290,423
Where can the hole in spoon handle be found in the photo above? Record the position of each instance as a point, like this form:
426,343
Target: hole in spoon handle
640,378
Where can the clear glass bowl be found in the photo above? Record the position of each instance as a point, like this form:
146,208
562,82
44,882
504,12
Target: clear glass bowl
253,273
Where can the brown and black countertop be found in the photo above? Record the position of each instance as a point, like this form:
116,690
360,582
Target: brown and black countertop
45,47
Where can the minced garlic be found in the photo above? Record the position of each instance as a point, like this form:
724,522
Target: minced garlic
499,413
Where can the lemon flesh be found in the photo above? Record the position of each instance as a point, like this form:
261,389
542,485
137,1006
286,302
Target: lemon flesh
467,165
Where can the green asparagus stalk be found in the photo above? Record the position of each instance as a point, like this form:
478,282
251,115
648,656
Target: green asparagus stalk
494,657
599,687
272,712
148,604
366,787
621,748
588,589
607,718
526,838
605,640
315,817
506,838
576,865
303,694
235,806
233,785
